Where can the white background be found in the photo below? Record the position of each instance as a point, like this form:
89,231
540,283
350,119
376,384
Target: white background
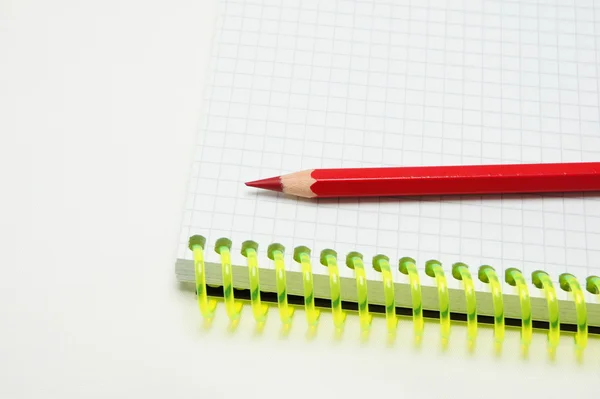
99,103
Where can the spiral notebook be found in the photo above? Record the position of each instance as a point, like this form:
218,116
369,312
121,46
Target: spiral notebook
315,84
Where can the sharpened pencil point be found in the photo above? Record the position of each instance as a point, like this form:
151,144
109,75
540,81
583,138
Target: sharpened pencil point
271,183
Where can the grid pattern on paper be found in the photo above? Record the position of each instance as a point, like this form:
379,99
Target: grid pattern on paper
306,84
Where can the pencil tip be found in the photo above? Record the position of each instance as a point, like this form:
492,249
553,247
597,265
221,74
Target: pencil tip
271,183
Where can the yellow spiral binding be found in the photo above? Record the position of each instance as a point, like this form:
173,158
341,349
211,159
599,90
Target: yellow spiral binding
514,277
460,271
381,263
207,307
593,285
434,269
275,253
234,309
354,261
487,274
543,281
569,283
329,260
407,266
302,256
259,310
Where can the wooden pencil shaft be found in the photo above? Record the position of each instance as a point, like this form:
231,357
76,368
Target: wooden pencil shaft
456,180
438,180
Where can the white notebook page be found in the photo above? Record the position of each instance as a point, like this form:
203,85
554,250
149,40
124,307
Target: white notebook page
311,84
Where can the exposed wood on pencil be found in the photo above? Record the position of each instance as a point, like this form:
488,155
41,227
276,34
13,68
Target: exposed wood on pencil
437,180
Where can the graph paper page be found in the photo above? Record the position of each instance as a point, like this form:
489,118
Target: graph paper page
308,84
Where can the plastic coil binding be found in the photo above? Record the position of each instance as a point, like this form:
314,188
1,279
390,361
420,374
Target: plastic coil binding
381,263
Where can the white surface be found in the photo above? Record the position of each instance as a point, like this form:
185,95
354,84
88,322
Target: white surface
99,106
313,84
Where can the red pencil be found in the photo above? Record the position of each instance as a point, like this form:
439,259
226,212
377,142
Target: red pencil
437,180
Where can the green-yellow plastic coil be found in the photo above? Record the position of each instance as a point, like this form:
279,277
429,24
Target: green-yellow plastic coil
206,306
381,263
434,269
389,289
514,277
259,310
460,271
275,253
354,261
569,283
487,274
302,256
234,309
329,260
543,281
407,266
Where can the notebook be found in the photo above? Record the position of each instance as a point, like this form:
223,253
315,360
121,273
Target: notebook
317,84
